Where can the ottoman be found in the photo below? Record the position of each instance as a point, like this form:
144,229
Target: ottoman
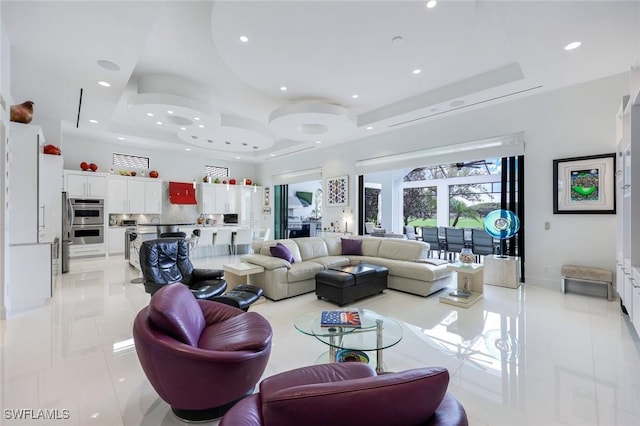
349,283
241,296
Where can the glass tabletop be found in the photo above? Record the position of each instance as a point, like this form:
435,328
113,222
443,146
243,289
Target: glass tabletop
364,338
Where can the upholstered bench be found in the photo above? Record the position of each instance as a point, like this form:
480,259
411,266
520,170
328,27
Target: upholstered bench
588,274
349,283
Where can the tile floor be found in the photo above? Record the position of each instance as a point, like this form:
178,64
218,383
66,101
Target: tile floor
518,357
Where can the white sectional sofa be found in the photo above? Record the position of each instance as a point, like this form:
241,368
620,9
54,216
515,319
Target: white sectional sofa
410,269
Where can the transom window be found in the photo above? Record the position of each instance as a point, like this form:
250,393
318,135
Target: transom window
130,161
216,171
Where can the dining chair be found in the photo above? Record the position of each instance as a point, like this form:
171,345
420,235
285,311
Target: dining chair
242,237
430,235
454,241
222,237
482,244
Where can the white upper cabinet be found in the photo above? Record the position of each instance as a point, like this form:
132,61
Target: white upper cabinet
207,198
134,195
251,198
85,184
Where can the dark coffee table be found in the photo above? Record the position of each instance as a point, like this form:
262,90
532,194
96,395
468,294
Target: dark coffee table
349,283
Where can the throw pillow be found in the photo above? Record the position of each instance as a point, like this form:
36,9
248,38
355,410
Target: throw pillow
350,246
281,251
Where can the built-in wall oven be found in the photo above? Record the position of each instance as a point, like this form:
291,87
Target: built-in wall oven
87,224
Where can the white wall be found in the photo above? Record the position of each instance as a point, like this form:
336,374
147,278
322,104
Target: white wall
575,121
5,94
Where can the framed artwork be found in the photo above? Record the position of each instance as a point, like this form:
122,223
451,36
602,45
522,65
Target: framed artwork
337,191
267,196
584,185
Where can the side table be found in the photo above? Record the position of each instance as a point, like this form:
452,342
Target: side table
470,281
502,271
236,274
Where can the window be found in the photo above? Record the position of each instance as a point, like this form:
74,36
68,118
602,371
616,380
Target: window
420,206
470,203
216,171
130,161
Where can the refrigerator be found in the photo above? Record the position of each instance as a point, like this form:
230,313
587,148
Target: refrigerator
67,219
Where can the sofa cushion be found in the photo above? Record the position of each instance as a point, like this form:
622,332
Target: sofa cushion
311,248
403,249
281,251
334,245
350,246
303,271
332,261
409,397
175,311
370,245
413,270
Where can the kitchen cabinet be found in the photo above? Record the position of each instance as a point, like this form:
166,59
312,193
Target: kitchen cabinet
85,184
226,198
134,195
86,250
31,177
251,199
116,241
207,198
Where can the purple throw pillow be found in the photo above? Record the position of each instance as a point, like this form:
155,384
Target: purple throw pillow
281,251
350,246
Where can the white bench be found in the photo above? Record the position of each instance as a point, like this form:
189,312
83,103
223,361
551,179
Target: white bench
588,274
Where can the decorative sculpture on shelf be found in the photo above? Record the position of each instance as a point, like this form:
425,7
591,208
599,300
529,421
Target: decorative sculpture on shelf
501,224
22,113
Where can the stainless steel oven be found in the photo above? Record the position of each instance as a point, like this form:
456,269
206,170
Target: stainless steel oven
87,211
87,234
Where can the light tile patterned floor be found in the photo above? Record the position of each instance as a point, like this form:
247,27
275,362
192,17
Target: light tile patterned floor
518,357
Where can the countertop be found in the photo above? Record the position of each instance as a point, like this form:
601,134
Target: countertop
166,224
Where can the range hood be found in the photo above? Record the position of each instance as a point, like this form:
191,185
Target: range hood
182,193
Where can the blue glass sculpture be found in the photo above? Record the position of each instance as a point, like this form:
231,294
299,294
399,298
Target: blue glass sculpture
501,224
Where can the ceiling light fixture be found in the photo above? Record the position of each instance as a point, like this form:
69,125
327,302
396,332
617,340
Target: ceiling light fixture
104,83
318,141
169,112
149,114
237,158
369,127
159,123
187,149
121,138
573,45
431,4
201,126
416,71
183,128
108,65
244,38
283,88
272,155
93,121
354,96
196,118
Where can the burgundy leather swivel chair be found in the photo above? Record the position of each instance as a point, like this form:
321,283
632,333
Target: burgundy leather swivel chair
166,260
200,356
350,394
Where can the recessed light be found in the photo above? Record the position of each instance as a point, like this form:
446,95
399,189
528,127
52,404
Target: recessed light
272,155
283,88
104,83
159,123
416,71
183,128
121,138
237,158
187,149
431,4
354,96
318,141
169,111
369,127
149,114
244,38
573,45
108,65
201,126
196,118
93,121
95,415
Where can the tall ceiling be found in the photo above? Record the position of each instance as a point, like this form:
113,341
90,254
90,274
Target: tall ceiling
349,67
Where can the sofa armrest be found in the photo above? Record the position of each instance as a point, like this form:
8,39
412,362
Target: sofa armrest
267,262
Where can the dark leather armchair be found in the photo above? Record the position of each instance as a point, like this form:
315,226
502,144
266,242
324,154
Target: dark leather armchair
200,356
166,260
350,394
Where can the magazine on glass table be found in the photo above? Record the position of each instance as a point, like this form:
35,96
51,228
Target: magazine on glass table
340,319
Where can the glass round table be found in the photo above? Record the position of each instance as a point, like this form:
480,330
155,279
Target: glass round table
376,333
